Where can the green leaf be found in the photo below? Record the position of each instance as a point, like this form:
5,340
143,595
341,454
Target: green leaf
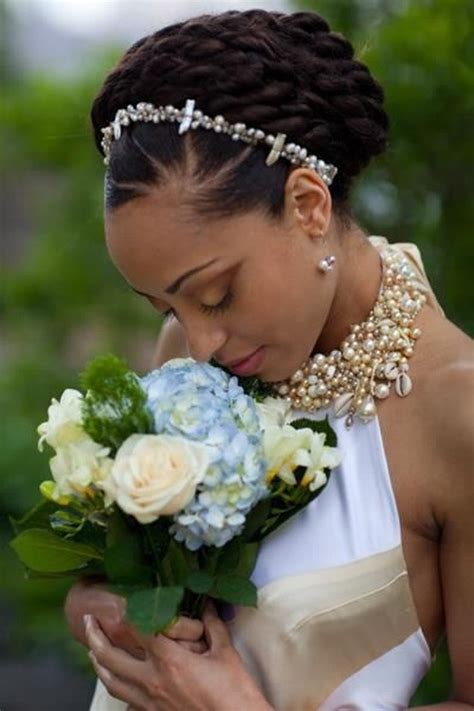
126,564
152,610
255,520
177,564
44,552
235,589
199,581
118,527
37,517
157,539
237,558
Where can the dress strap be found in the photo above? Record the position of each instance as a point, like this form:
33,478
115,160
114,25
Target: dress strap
412,253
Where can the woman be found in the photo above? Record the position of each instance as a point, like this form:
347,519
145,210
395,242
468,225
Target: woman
251,246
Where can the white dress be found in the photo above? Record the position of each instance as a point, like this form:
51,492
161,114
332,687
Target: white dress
336,627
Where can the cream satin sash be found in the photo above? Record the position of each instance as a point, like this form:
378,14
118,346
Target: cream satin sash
310,632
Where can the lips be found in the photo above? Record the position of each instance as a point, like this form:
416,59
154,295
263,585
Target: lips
240,360
250,364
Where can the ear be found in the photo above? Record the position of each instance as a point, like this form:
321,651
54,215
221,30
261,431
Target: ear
308,201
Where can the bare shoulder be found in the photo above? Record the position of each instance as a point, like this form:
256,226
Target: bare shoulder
448,382
447,399
171,343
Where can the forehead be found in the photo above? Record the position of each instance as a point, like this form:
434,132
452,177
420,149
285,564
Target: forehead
154,239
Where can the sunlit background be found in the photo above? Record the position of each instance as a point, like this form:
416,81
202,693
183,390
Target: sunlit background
61,300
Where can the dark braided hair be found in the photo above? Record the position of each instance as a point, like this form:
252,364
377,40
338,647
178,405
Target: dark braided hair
278,72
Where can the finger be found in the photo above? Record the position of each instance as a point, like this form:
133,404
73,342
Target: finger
118,688
185,628
86,597
195,647
123,635
115,660
216,631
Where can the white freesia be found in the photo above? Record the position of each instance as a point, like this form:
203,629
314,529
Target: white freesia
64,421
287,447
273,411
78,465
156,475
320,457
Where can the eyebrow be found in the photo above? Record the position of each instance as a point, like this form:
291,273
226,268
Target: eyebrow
176,285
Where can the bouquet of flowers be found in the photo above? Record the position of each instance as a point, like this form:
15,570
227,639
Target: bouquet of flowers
166,485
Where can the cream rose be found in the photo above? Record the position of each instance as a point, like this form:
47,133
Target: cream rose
156,475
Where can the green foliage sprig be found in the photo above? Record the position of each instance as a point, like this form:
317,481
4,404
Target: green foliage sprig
115,404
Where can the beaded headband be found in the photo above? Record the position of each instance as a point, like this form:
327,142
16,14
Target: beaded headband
189,117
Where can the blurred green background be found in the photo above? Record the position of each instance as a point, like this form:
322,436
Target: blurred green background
62,301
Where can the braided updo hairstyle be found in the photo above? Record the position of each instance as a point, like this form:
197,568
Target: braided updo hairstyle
278,72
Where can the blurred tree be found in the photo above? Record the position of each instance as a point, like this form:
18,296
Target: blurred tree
61,302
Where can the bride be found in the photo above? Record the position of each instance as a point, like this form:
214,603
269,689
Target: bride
227,207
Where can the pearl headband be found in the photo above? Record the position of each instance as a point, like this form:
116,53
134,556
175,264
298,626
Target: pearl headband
189,117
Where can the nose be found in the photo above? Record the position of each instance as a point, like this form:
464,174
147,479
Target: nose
204,341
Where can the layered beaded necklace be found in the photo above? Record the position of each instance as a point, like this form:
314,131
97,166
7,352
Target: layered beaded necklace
372,359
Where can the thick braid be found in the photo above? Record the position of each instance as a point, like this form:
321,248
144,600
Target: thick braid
279,72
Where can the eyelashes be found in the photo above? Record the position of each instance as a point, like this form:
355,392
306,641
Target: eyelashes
211,310
221,306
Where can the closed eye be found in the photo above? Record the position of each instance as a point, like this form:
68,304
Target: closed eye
205,308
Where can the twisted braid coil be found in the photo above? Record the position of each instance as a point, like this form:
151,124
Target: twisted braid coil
280,72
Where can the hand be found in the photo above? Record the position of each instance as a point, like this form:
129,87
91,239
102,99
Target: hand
172,678
90,596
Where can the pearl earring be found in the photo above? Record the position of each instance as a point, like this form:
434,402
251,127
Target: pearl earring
327,264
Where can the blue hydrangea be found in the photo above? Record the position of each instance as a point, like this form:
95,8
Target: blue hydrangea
206,404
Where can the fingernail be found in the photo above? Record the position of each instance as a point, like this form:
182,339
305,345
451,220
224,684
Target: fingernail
87,620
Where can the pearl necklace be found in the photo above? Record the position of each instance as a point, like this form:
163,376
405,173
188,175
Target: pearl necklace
372,358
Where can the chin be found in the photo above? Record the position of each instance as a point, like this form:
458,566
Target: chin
275,378
280,369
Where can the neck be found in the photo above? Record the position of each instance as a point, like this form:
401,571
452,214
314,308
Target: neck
359,278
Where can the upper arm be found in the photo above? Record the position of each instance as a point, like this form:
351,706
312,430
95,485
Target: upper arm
456,507
171,343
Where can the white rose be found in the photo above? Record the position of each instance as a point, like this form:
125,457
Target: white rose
64,421
156,475
79,464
